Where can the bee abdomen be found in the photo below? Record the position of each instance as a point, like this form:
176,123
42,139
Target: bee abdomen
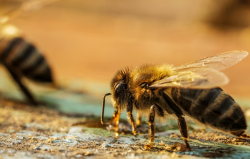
212,107
8,49
25,58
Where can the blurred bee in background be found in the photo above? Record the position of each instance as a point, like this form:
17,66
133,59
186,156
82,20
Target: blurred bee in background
20,57
189,90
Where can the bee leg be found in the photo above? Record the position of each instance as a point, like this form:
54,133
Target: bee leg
131,118
151,129
183,130
115,118
24,89
138,119
181,120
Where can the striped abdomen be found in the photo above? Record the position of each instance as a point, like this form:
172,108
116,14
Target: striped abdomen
27,60
212,107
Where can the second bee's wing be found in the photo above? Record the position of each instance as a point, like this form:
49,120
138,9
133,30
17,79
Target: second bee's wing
201,78
218,62
10,12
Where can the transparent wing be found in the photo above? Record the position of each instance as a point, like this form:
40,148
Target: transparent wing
13,10
200,78
218,62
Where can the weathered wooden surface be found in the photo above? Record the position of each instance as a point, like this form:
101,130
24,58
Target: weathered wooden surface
29,132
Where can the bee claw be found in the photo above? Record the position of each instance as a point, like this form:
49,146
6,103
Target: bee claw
134,133
189,149
114,128
148,147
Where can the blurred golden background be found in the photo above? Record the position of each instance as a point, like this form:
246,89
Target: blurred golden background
91,40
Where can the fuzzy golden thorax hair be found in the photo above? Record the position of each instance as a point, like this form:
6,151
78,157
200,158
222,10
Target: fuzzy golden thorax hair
143,77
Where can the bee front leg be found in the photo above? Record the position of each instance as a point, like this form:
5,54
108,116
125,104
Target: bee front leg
115,118
151,130
131,118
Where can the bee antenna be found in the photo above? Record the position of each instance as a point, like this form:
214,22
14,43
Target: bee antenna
103,105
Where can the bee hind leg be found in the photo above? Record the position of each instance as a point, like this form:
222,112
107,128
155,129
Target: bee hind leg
183,130
181,120
151,130
24,89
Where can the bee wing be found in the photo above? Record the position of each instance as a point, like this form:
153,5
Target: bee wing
218,62
10,12
24,6
200,78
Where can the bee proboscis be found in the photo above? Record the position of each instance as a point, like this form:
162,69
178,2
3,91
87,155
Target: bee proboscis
188,90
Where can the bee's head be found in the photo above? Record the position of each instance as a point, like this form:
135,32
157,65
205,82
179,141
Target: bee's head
120,88
119,91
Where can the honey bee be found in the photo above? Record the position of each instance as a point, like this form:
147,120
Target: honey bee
20,57
188,90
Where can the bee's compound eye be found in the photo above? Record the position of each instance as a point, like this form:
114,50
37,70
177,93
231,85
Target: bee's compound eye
145,85
119,86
